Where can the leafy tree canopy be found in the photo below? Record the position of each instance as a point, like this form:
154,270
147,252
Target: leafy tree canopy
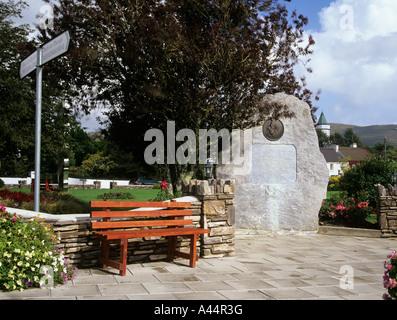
203,64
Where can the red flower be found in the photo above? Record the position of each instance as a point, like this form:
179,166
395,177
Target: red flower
163,185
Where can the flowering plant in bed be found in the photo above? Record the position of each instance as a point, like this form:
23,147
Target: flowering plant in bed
390,277
29,254
347,211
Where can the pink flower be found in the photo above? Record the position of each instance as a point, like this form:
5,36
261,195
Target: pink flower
389,266
340,207
332,214
392,283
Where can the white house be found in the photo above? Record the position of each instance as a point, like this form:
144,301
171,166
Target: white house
335,160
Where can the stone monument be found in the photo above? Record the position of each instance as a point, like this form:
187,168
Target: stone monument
281,176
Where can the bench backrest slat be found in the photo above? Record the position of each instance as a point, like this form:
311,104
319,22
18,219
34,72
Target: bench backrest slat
115,219
138,204
140,223
154,213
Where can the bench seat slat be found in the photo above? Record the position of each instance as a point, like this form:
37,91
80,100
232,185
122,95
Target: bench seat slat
154,213
138,204
140,223
109,235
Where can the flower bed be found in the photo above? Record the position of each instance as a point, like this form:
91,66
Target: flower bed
29,255
52,202
347,212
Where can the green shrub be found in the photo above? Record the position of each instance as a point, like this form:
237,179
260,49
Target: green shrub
367,174
333,184
116,195
29,255
163,195
2,184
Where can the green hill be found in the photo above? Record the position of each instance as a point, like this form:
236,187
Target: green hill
370,135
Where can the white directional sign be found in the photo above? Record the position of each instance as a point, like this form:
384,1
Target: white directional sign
52,49
28,65
56,47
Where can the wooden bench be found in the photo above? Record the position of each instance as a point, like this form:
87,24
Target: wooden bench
46,186
167,219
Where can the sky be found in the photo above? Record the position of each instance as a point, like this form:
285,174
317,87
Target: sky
354,60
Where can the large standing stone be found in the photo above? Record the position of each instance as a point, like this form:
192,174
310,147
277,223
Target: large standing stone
282,177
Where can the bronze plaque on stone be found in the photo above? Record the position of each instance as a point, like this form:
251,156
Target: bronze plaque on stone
273,130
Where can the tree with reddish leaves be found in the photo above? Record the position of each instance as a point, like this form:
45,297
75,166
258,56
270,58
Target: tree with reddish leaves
203,64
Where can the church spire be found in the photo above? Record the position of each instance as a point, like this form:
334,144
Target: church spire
323,125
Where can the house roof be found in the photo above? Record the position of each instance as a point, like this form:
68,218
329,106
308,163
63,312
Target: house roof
355,154
322,120
331,155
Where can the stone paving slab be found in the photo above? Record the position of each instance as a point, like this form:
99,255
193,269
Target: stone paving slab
289,266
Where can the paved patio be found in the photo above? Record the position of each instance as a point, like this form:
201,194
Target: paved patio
266,267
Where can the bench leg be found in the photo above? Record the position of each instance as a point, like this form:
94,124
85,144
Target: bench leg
193,241
123,256
172,241
104,252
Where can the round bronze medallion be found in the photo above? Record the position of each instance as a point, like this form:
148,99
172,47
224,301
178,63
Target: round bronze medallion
273,130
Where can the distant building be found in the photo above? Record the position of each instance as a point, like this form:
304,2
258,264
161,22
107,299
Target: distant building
323,125
335,160
355,155
337,156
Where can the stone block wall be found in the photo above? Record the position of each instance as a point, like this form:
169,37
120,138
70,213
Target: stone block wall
217,211
387,210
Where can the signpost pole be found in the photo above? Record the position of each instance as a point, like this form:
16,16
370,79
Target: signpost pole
45,53
39,78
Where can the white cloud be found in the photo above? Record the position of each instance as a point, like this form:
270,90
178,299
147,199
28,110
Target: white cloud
355,60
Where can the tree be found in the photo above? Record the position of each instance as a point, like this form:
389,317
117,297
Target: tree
323,139
378,149
17,106
203,64
16,98
348,139
351,138
96,166
362,178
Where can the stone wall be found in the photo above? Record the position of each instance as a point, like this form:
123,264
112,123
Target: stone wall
387,210
216,204
82,248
